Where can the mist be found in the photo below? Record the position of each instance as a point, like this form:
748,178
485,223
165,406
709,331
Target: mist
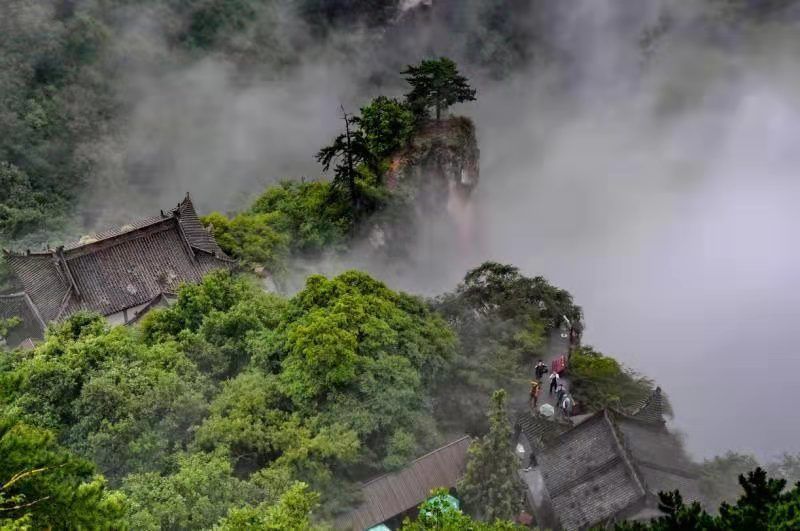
659,188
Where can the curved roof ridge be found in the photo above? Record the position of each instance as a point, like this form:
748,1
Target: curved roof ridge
652,409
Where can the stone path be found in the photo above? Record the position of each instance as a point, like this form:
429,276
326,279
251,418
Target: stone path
556,346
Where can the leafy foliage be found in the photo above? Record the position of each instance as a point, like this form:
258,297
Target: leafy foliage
765,505
7,325
719,476
291,512
308,214
215,408
387,125
437,84
502,319
44,486
252,238
196,496
349,151
490,487
360,352
599,381
434,517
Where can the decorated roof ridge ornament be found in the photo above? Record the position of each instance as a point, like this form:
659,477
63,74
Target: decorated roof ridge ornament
652,410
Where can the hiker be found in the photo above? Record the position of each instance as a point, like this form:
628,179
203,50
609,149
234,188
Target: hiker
535,389
560,395
554,378
566,406
540,370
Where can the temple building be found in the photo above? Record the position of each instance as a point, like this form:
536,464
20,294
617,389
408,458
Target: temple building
387,499
608,467
120,273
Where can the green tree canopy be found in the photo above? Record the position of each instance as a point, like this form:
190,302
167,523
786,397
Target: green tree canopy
348,151
490,487
766,504
387,125
502,319
292,512
197,495
255,239
308,215
355,350
43,486
437,84
434,517
600,381
7,325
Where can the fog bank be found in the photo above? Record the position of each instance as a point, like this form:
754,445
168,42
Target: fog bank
654,180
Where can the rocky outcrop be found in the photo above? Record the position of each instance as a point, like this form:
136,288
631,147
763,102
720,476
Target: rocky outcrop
430,181
441,160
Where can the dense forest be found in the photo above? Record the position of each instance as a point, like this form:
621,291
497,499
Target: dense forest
237,408
234,398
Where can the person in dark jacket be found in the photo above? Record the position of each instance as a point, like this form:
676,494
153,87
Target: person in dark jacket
540,370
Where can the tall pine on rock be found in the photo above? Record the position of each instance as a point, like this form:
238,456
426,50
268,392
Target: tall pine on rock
491,488
437,84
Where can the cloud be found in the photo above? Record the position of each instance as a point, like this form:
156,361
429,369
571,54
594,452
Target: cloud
660,190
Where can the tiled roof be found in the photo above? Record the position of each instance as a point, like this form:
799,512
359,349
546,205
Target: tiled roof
395,493
19,305
609,463
42,280
660,458
120,268
652,408
588,474
539,430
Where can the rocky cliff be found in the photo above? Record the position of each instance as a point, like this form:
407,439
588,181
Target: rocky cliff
430,182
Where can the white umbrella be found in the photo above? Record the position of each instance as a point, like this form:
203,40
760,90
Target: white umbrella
547,410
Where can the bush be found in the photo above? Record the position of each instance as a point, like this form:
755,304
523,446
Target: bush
255,239
599,381
308,213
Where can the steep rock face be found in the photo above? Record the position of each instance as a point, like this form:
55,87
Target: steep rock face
442,160
431,182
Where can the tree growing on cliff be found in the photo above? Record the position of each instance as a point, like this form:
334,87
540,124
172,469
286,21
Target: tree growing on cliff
490,487
349,150
387,124
437,84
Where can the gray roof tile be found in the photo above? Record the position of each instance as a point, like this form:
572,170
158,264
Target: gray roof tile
19,305
120,268
395,493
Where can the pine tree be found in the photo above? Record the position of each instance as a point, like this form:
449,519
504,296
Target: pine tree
436,83
490,487
350,149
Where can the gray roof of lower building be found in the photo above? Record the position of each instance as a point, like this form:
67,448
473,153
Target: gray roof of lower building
19,305
392,494
608,464
588,474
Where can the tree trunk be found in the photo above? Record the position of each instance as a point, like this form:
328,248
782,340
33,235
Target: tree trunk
351,170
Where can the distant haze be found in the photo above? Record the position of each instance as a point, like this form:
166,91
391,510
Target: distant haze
657,183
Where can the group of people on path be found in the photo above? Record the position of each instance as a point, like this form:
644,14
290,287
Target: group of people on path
564,401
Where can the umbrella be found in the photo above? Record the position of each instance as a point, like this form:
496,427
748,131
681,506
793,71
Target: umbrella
547,410
444,503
